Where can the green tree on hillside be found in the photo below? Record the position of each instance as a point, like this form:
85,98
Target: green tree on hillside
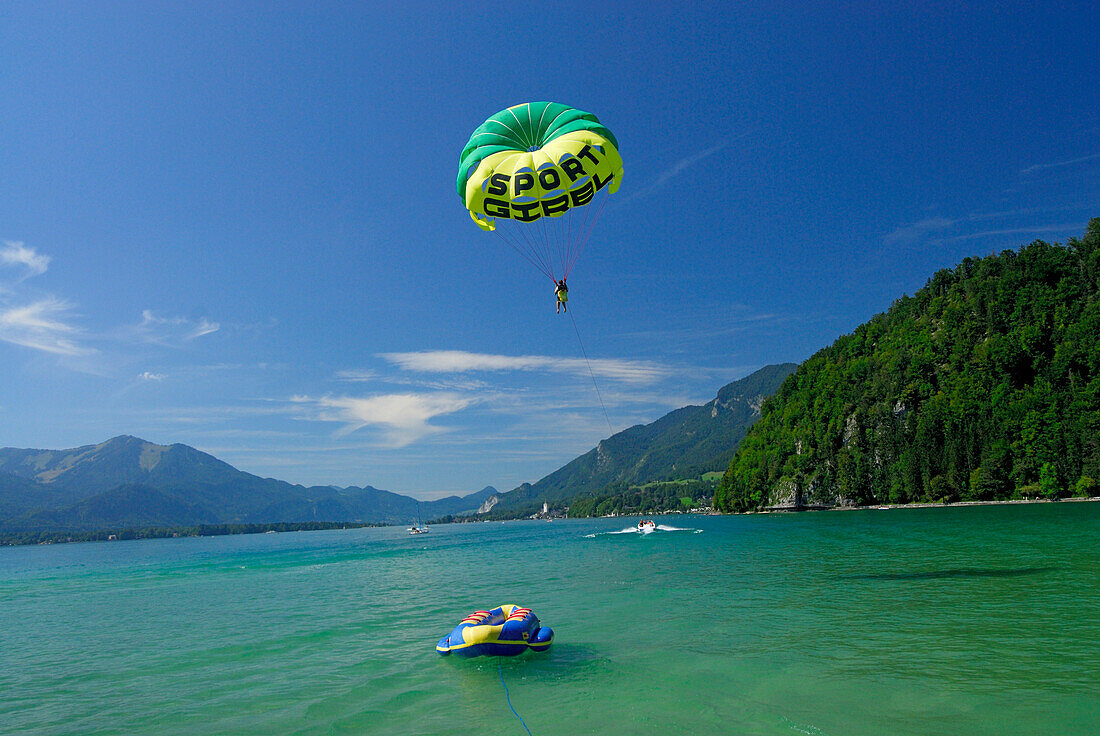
983,384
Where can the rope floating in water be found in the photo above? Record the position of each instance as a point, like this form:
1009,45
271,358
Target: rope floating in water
508,698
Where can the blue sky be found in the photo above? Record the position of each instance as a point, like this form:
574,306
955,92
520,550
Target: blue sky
235,226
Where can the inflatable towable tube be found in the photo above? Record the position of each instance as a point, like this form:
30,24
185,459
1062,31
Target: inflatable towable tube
505,631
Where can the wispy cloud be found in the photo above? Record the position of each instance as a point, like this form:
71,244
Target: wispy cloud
403,418
42,325
367,375
17,254
1060,164
703,329
149,376
45,322
918,231
1065,228
170,330
459,361
681,165
685,163
357,375
937,229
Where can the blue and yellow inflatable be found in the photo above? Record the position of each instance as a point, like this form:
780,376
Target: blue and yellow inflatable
505,631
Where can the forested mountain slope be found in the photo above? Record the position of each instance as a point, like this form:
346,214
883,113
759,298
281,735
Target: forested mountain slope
983,385
685,443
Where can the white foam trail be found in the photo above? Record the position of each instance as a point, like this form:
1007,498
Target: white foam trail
636,530
628,530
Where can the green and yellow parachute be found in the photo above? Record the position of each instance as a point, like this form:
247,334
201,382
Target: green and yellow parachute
545,169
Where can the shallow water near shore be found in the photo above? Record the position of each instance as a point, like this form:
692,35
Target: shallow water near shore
977,620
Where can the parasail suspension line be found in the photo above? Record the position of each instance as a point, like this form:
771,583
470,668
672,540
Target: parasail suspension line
591,372
585,234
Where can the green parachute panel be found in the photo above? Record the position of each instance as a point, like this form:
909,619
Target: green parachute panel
526,128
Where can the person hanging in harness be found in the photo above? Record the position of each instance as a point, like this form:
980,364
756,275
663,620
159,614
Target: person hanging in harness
562,292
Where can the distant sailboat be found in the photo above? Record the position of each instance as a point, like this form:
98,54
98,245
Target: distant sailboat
419,528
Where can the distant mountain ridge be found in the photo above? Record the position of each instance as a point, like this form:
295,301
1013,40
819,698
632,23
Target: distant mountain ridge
128,481
121,460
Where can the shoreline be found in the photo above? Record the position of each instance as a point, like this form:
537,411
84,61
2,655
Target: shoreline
128,534
48,538
922,505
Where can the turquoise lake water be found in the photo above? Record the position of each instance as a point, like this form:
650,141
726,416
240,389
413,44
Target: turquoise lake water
976,620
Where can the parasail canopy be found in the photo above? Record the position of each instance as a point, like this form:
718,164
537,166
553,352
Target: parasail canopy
539,174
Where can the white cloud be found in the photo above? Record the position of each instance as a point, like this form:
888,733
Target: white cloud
165,330
460,361
935,229
403,418
148,376
681,165
41,326
686,162
1059,164
357,375
203,328
17,254
917,231
43,321
1040,229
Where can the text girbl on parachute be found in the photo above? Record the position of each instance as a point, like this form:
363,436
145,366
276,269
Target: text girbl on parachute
539,174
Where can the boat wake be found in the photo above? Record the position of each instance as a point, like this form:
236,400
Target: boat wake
645,532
